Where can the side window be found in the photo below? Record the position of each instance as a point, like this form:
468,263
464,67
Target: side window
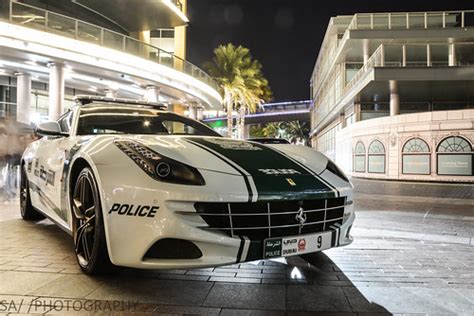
65,122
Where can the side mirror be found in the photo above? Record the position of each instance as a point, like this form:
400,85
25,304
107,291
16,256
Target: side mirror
49,129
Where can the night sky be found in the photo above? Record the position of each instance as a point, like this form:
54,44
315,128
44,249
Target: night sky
285,35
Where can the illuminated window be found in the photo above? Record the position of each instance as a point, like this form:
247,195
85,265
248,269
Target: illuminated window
416,157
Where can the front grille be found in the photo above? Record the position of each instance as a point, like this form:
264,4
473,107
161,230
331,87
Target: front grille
260,220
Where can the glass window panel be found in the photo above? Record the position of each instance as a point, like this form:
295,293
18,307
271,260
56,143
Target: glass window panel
61,24
359,163
416,145
113,40
454,144
376,164
88,32
376,147
416,164
455,164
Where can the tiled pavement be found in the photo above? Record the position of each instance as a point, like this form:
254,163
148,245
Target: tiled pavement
412,254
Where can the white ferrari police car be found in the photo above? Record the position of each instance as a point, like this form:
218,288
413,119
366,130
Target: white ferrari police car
141,187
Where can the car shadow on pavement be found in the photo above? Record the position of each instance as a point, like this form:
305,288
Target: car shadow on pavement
39,261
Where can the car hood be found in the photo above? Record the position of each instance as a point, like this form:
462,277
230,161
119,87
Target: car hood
236,156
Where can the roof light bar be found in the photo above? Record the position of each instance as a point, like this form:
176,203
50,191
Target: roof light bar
88,99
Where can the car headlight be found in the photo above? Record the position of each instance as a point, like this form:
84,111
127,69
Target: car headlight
159,167
331,166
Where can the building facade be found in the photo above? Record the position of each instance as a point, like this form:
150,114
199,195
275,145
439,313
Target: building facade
393,95
52,50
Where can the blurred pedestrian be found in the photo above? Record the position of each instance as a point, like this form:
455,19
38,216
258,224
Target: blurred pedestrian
3,162
13,158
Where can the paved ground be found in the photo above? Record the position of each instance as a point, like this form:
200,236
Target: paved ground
413,253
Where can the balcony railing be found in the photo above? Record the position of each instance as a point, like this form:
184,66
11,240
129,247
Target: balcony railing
33,17
412,20
402,55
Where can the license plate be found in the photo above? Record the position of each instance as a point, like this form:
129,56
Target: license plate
296,245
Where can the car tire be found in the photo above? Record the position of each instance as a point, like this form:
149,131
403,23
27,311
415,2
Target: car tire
88,225
28,212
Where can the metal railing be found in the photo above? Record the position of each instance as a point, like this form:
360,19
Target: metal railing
399,55
387,21
412,20
48,21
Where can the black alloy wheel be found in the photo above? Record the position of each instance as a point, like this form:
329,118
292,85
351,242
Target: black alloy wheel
88,229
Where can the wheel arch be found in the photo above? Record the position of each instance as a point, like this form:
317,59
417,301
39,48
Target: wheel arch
77,166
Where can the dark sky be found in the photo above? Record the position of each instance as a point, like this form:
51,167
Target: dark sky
285,35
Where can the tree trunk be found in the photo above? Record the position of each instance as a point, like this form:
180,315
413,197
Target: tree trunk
242,123
230,122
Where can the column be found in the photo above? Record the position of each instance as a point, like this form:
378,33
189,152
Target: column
23,97
428,55
109,93
394,98
56,91
366,50
152,94
192,110
357,109
342,120
200,114
404,55
452,55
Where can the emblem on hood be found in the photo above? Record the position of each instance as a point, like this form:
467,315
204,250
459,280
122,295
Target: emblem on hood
291,182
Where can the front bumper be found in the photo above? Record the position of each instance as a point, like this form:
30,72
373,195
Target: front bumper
217,248
129,235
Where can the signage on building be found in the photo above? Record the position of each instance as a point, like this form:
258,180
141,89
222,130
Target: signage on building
416,164
455,165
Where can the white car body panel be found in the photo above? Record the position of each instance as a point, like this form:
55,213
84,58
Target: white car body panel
49,162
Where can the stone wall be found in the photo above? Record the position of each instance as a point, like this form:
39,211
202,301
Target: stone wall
395,131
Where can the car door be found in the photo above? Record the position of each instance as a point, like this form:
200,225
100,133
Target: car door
51,155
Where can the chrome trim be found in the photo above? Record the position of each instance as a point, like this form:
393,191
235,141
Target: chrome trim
265,227
259,214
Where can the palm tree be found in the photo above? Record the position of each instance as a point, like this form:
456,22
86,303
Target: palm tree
272,130
241,82
297,131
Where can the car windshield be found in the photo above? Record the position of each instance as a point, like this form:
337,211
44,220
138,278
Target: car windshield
114,120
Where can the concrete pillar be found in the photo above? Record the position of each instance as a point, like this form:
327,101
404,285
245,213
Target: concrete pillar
152,93
200,114
357,112
56,91
394,98
109,93
192,110
428,55
366,50
404,55
452,55
342,120
23,97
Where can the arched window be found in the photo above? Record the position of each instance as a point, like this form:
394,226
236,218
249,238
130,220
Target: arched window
376,160
416,157
359,157
455,157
